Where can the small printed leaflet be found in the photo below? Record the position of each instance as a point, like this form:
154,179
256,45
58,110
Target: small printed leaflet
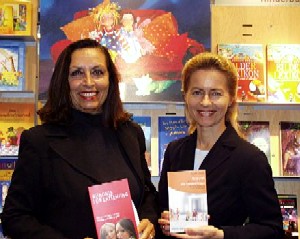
187,199
113,210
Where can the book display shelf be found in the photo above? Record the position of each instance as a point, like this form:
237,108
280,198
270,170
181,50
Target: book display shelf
256,25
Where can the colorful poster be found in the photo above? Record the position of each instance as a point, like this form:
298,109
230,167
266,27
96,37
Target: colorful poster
249,62
288,205
283,73
14,118
290,148
169,128
149,40
145,123
258,133
12,60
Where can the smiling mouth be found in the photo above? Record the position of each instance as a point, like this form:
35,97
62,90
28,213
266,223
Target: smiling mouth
206,113
88,95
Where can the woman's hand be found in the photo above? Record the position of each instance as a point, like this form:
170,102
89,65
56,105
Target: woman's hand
146,229
164,222
202,232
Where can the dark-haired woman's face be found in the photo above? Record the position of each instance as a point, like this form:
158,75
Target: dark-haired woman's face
121,232
88,79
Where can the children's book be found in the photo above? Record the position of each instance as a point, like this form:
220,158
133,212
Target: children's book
169,128
258,133
14,118
113,208
15,17
249,62
288,205
145,123
12,68
283,73
290,148
187,199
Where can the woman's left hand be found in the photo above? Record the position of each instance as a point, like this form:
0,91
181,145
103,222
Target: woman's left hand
146,229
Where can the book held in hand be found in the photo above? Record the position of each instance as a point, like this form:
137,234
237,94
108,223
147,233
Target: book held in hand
187,199
113,209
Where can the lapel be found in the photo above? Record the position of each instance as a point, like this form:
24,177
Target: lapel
70,150
221,150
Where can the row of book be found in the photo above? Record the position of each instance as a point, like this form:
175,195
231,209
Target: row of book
16,117
256,132
270,74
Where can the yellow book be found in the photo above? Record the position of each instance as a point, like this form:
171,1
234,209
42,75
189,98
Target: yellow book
15,18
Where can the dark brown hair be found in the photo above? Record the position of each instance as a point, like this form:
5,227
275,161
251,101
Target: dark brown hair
58,106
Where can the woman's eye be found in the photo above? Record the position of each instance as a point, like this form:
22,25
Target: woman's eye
216,93
197,92
97,72
76,73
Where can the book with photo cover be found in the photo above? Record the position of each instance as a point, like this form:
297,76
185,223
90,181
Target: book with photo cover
145,123
250,64
170,127
187,199
12,65
288,205
283,77
290,148
258,133
113,207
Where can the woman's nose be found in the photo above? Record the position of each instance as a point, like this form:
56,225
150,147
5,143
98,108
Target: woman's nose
88,79
206,100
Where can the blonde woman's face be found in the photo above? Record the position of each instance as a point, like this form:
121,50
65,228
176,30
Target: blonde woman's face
208,99
88,79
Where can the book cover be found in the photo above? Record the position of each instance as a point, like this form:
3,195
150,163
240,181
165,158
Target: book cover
145,123
169,128
288,205
290,148
15,18
283,73
249,62
14,118
112,207
12,60
258,133
187,199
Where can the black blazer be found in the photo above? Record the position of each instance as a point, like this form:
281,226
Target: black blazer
38,202
239,185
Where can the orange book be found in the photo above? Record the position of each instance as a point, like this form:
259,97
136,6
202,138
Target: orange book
187,199
249,62
14,118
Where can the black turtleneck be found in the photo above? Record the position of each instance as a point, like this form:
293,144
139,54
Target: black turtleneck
102,150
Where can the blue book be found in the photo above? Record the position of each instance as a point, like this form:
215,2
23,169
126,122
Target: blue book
169,128
12,65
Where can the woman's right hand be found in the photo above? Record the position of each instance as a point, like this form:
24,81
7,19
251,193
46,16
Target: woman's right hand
164,222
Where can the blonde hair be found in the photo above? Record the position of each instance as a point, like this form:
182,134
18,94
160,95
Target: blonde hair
205,61
101,9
